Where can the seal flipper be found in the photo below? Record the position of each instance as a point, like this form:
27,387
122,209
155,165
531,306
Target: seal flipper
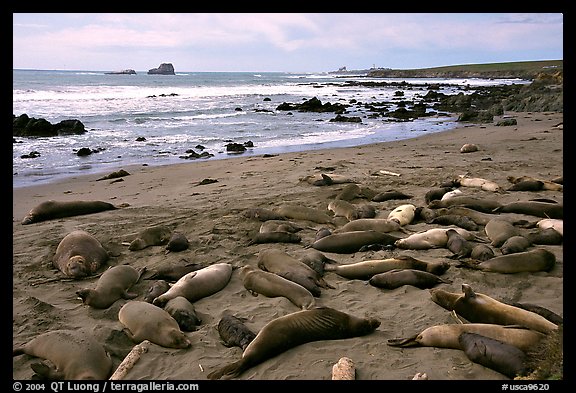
230,371
404,342
46,372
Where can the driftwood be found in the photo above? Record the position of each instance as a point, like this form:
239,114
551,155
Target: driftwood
130,360
344,370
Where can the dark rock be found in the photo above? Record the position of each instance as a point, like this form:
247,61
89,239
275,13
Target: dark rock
235,148
348,119
84,151
29,126
122,72
140,139
164,69
507,122
32,154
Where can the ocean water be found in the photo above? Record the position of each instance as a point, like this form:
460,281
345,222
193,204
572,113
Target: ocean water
176,113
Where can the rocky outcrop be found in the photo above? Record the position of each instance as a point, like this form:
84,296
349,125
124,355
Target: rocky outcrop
122,72
30,126
313,105
164,69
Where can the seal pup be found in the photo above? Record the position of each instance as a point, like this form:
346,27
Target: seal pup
349,192
79,254
343,209
316,260
432,238
156,289
447,336
396,278
548,236
290,268
481,205
258,281
455,219
322,232
481,308
484,184
451,194
555,223
153,236
482,252
113,284
198,284
279,226
177,242
498,231
404,214
353,241
274,237
262,214
233,331
391,195
468,148
535,260
375,224
50,210
173,272
145,321
436,194
527,185
494,354
549,185
292,330
75,355
533,208
364,270
297,212
183,312
515,244
322,179
458,245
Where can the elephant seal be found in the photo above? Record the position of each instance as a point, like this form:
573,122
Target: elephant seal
527,185
156,289
343,209
436,194
50,210
316,260
292,330
177,242
145,321
455,219
183,312
555,223
364,270
391,195
498,231
353,241
548,236
546,313
533,208
290,268
432,238
494,354
484,184
515,244
112,285
322,179
536,260
274,237
374,224
468,148
154,236
305,213
478,217
279,226
79,254
365,210
404,214
75,355
451,194
349,192
233,332
173,272
198,284
460,247
396,278
481,205
549,185
482,252
262,214
447,336
480,308
258,281
322,232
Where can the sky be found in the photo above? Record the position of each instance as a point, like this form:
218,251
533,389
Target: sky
284,42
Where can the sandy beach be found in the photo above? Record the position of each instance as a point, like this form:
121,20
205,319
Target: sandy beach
210,215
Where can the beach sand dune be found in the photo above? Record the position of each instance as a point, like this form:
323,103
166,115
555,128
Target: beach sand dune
210,216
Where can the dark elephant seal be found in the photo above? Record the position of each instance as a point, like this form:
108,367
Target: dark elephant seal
455,219
396,278
183,312
283,264
258,281
79,254
342,208
546,313
156,289
114,284
391,195
174,272
50,210
145,321
533,208
481,205
480,218
316,260
292,330
460,247
274,237
550,185
177,242
535,260
436,194
371,224
322,232
198,284
447,336
349,192
154,236
353,241
233,332
74,354
547,236
527,185
494,354
498,231
297,212
482,252
515,244
364,270
480,308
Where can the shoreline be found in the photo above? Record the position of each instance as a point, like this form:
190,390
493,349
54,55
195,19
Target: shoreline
210,216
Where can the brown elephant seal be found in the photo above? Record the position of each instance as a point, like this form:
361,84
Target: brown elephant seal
481,205
113,284
494,354
156,289
342,208
404,214
322,179
50,210
515,244
546,313
478,217
352,241
527,185
365,210
79,254
316,260
233,331
482,252
468,148
364,270
371,224
447,336
274,237
555,223
322,232
432,238
279,226
391,195
533,208
177,242
547,236
258,281
174,272
183,312
145,321
304,213
349,192
458,245
74,354
455,219
396,278
436,194
262,214
498,231
153,236
284,265
535,260
480,308
549,185
292,330
198,284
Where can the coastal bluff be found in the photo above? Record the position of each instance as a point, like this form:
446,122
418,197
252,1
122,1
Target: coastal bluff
163,69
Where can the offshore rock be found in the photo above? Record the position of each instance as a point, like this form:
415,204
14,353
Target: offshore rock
164,69
30,126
